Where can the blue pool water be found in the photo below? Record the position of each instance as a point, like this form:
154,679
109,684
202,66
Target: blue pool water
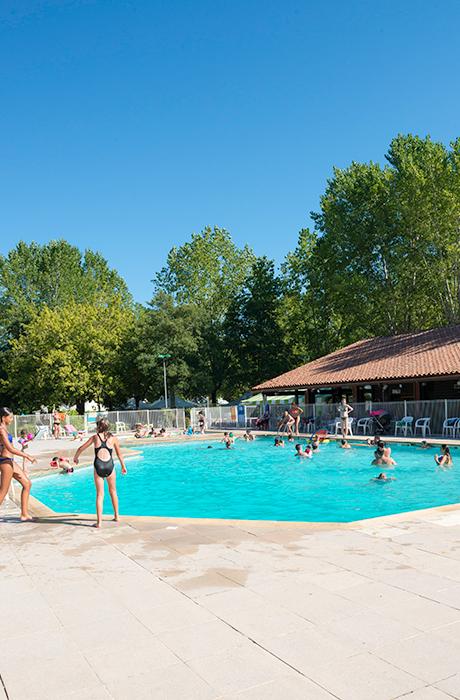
259,481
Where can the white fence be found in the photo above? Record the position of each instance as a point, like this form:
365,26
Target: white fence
169,418
218,416
324,416
239,416
314,417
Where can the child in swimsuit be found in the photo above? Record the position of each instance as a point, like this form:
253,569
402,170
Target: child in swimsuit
104,468
445,459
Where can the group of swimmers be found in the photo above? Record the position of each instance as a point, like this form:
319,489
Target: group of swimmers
382,453
229,438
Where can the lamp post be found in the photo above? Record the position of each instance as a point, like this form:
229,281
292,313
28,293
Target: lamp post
164,358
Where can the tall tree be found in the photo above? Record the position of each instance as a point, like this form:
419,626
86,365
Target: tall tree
254,340
207,272
309,325
388,253
163,328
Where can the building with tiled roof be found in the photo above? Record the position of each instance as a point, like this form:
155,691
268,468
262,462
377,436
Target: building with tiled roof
423,365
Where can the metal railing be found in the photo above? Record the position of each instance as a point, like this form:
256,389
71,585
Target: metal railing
324,416
120,421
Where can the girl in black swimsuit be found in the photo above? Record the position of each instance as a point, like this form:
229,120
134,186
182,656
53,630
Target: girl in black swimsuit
104,445
8,468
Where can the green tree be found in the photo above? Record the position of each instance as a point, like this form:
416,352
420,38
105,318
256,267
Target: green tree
34,276
255,343
163,328
67,355
388,250
207,272
309,325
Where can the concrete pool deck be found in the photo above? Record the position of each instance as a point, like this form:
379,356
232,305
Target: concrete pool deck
207,610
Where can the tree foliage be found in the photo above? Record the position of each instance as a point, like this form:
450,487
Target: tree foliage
34,276
256,347
163,328
67,355
388,249
206,273
383,258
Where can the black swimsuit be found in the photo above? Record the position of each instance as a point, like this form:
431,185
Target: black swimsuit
103,468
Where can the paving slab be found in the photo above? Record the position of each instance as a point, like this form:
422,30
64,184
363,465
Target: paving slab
211,610
450,685
428,693
425,656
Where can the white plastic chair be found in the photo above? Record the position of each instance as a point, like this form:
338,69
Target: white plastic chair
423,424
404,425
450,427
43,433
120,426
365,424
338,426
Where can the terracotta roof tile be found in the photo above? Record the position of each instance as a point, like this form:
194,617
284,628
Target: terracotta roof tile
425,354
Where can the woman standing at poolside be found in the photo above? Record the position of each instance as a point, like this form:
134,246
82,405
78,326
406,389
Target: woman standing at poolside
8,467
295,412
56,425
104,468
201,422
344,409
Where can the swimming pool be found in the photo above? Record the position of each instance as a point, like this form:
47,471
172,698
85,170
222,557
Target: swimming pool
257,481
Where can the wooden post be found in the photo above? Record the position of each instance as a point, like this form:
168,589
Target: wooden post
416,391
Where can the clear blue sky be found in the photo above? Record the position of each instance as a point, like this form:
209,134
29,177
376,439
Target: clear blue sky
125,125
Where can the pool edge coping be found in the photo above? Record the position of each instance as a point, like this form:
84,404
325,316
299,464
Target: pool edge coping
42,511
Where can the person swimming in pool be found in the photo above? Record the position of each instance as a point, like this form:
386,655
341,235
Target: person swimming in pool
228,440
9,469
104,468
315,441
382,477
307,452
278,442
373,441
248,436
382,455
444,460
344,444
